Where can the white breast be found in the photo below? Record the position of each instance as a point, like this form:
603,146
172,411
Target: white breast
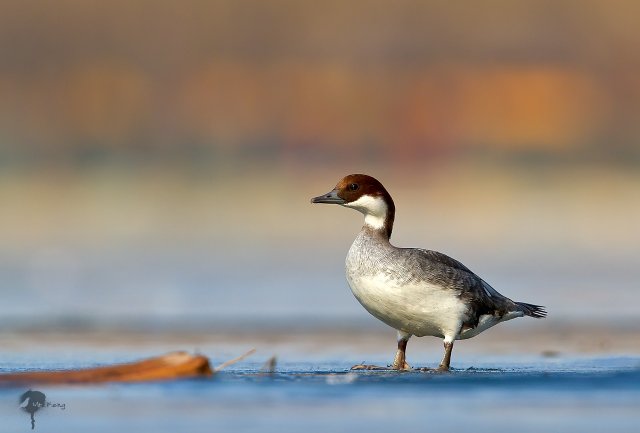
417,308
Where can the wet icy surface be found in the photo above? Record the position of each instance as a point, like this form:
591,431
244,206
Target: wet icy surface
587,394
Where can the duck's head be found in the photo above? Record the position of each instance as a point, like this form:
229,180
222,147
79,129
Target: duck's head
367,195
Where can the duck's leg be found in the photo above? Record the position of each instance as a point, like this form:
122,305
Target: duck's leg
399,362
446,360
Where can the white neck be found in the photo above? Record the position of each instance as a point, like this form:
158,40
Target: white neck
373,208
375,222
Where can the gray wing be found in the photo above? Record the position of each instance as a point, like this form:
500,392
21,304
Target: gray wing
450,274
451,266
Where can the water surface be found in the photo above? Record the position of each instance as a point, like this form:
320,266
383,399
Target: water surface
587,394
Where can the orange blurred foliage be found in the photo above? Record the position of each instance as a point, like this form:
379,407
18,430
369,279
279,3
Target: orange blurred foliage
416,78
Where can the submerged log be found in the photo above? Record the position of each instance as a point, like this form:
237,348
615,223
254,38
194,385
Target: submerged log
175,365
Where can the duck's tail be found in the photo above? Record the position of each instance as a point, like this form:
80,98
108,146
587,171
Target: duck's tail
537,311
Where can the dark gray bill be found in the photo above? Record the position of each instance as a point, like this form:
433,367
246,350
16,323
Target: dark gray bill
330,197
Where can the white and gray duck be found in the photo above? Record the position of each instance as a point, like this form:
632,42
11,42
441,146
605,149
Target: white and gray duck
415,291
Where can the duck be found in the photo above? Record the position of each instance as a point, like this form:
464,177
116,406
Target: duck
417,292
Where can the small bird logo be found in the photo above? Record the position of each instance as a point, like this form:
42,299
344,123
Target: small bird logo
30,402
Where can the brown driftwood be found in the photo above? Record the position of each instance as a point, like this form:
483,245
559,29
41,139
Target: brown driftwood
175,365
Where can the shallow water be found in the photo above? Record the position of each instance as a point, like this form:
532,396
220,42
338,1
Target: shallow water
535,394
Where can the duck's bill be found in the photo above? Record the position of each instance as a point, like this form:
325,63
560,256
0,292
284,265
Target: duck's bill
330,197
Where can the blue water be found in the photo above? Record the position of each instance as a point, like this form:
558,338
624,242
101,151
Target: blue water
542,394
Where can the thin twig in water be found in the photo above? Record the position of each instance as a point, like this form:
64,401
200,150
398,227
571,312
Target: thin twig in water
234,360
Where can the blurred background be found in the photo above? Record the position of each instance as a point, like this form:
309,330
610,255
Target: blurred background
157,158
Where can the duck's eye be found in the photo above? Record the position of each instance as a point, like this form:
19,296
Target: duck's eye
353,187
